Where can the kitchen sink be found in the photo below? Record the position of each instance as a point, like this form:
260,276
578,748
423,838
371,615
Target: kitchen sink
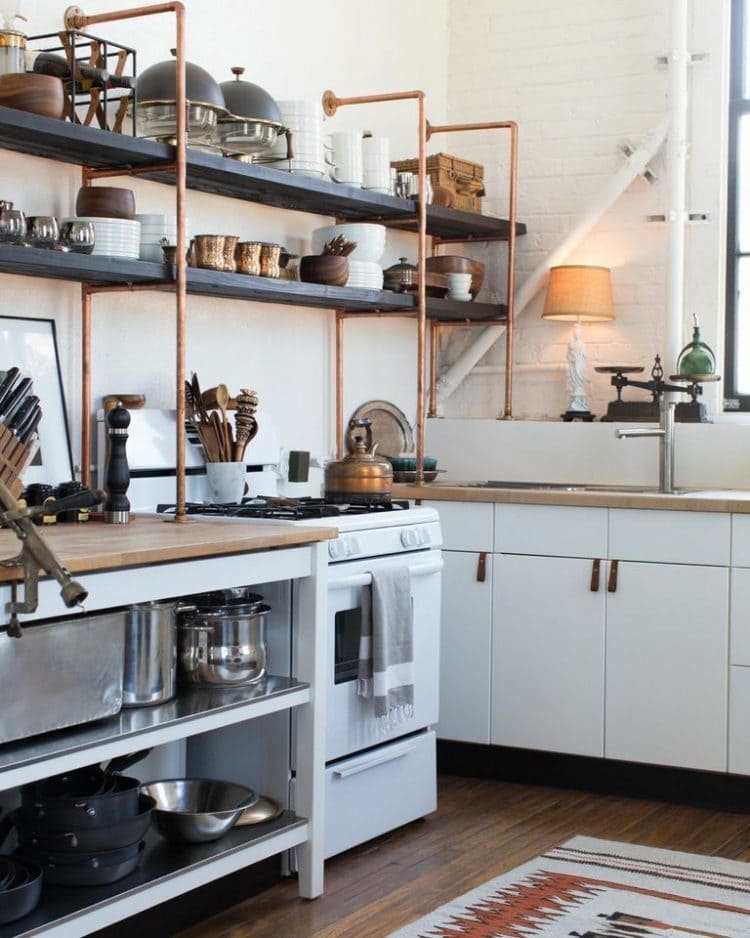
569,487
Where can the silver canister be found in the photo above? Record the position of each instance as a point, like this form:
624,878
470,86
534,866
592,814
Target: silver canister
223,646
150,668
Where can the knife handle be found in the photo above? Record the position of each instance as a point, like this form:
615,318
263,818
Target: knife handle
85,499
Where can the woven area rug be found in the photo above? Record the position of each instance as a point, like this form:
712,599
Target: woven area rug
589,888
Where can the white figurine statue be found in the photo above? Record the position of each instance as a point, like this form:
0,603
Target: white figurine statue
577,380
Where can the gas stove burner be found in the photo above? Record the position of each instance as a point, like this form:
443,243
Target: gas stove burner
283,509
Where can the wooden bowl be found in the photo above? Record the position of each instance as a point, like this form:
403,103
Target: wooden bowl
453,264
330,269
105,202
37,94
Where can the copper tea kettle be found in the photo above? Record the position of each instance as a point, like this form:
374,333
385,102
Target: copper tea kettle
361,478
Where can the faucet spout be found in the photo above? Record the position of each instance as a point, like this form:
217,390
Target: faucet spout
665,433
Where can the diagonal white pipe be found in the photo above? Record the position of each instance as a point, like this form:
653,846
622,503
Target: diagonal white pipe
634,166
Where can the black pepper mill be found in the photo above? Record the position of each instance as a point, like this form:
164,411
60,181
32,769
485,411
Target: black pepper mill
117,480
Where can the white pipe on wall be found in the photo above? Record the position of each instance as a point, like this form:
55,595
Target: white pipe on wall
679,61
634,166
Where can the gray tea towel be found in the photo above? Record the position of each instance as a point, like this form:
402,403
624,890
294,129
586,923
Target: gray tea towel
386,647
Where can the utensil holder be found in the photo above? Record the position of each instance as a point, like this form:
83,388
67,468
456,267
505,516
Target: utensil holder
13,460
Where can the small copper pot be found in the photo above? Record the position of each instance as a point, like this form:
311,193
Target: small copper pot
247,258
209,251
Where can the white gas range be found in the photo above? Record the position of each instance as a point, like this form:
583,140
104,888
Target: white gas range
374,783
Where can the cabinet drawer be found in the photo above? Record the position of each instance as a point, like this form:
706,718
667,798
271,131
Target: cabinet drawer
360,800
739,720
741,540
551,530
688,537
465,525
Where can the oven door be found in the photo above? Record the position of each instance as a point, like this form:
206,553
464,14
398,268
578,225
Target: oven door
351,723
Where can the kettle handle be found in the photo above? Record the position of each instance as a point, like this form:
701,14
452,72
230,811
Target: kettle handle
357,423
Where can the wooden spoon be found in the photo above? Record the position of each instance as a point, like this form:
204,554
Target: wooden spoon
245,422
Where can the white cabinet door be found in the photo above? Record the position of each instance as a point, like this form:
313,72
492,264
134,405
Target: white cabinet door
548,655
465,647
667,665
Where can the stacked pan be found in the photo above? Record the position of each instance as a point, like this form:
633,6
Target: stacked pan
20,888
83,828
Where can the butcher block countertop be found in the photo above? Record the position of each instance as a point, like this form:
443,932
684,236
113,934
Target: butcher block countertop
84,548
737,502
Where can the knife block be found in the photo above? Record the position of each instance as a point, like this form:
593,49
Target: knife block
13,460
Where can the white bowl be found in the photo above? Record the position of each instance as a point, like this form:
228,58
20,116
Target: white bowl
370,240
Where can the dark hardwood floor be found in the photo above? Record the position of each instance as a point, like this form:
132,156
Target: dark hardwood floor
481,829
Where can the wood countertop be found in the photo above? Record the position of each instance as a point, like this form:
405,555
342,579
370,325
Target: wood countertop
703,500
84,548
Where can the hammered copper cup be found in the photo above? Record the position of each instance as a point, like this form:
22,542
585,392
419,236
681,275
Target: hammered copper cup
230,245
247,258
269,260
209,251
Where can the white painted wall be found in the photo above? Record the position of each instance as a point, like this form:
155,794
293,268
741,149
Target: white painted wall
581,79
294,50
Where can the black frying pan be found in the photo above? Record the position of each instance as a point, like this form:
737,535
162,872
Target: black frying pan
89,840
66,814
24,897
85,782
88,869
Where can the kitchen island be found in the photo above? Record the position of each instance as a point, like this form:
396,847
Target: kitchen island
153,559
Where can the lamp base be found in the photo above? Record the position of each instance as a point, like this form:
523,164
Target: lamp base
570,415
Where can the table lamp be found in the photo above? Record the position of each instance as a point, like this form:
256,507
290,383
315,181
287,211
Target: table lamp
578,293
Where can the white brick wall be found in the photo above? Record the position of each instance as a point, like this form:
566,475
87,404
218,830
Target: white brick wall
581,79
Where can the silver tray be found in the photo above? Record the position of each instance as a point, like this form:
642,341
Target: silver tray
390,428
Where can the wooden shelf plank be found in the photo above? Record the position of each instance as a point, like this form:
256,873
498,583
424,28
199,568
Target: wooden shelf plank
165,871
105,271
207,172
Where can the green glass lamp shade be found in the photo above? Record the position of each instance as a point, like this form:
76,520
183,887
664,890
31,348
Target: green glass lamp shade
696,358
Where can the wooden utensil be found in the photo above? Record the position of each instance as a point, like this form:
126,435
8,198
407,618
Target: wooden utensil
245,422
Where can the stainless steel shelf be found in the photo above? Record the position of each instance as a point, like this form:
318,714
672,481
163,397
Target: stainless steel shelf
191,712
165,871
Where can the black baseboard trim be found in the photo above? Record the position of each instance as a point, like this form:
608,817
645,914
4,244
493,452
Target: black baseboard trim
629,779
199,904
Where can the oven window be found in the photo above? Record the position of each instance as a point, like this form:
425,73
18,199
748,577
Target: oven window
348,626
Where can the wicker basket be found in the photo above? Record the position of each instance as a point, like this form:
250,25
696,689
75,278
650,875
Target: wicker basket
462,178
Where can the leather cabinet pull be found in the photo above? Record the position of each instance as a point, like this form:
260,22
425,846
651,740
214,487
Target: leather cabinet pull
595,570
482,567
612,584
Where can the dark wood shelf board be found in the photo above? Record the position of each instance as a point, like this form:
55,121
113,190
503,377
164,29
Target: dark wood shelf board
161,861
456,310
92,268
207,172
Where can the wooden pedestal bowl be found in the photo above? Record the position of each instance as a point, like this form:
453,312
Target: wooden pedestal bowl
37,94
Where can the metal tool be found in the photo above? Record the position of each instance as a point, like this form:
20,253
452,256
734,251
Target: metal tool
36,555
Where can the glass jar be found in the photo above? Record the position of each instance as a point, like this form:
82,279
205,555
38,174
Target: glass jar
12,52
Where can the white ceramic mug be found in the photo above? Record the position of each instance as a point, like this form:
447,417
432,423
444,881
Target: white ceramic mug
226,481
347,157
458,286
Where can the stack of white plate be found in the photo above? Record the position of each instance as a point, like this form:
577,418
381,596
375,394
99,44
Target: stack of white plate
365,275
156,230
310,154
115,237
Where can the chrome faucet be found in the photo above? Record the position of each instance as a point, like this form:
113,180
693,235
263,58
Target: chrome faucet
665,432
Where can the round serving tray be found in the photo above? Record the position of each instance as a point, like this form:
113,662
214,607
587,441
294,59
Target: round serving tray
390,428
619,369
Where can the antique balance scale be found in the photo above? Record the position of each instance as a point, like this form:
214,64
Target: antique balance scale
696,366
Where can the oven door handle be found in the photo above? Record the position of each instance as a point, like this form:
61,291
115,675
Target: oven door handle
365,579
365,764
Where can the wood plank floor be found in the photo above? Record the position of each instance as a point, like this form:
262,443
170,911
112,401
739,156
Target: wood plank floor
481,829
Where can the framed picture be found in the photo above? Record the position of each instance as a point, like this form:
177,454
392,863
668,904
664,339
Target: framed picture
31,345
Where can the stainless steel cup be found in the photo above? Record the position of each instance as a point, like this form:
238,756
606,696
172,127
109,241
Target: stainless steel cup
150,666
78,237
42,231
12,226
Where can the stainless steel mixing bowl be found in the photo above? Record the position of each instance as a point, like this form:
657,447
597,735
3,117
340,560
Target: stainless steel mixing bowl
197,810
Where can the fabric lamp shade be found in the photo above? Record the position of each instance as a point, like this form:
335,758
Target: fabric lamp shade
579,294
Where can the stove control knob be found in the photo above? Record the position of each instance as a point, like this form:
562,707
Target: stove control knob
354,546
410,537
424,537
336,549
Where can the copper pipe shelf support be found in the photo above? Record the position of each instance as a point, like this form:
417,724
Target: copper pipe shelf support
436,325
331,103
512,127
75,18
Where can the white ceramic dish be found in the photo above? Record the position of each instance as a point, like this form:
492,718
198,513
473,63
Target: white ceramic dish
370,240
